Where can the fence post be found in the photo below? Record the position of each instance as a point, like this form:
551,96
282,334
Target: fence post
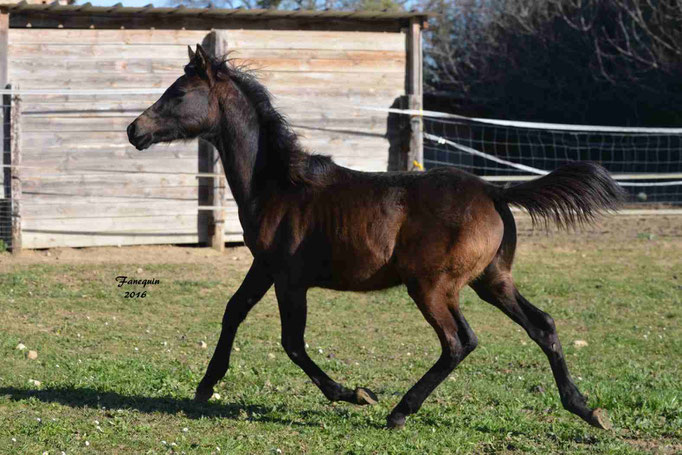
212,193
15,172
414,94
6,191
216,44
6,195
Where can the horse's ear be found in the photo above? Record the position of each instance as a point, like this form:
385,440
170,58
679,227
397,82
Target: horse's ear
205,63
202,56
190,52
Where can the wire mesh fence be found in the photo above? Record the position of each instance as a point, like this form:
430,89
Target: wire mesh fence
5,225
647,162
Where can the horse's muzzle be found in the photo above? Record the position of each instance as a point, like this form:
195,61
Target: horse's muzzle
138,137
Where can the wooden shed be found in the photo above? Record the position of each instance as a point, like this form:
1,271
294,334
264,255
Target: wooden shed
80,74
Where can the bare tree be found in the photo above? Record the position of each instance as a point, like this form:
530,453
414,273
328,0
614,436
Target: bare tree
563,60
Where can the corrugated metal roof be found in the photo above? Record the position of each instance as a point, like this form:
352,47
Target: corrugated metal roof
150,11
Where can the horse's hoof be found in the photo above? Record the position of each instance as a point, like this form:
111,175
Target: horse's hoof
598,418
395,421
203,395
365,396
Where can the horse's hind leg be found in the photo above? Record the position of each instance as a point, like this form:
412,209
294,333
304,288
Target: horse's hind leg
496,286
252,289
293,313
440,307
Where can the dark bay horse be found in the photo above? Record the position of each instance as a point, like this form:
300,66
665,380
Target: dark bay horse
312,223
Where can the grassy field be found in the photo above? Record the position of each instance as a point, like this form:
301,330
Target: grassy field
117,375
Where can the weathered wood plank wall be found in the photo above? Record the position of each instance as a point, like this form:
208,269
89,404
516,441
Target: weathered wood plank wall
70,141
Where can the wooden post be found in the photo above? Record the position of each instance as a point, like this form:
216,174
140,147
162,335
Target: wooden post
4,41
15,171
209,159
414,94
6,150
212,193
6,223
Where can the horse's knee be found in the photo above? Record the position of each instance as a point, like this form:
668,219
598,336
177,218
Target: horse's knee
547,339
541,321
543,330
535,315
237,309
547,323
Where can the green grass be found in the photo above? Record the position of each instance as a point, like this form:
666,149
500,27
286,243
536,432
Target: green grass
120,373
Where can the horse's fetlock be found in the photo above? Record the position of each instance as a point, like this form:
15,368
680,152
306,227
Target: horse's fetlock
331,395
335,392
395,420
407,407
574,402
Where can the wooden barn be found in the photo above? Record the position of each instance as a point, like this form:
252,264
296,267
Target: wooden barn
79,74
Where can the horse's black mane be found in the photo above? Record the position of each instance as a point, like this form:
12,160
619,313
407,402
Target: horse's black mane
280,138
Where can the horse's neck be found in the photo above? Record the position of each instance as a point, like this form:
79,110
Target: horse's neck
250,170
251,167
239,162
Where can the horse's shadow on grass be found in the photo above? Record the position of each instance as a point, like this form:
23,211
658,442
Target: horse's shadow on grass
83,397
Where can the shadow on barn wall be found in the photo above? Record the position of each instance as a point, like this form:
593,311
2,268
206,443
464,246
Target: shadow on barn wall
398,135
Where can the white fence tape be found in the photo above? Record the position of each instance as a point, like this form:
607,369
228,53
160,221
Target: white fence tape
528,125
464,148
523,167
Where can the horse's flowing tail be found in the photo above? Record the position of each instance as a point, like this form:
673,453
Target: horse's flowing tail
571,195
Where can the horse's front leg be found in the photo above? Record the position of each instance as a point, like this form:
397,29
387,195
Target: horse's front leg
252,289
293,312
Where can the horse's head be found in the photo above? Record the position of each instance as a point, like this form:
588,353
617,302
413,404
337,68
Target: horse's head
189,108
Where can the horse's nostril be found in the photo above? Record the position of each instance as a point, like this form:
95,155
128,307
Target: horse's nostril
131,131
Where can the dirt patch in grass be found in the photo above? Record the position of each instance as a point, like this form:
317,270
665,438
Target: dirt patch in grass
659,446
141,255
607,229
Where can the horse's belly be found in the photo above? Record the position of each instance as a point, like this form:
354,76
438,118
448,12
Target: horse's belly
360,279
359,269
